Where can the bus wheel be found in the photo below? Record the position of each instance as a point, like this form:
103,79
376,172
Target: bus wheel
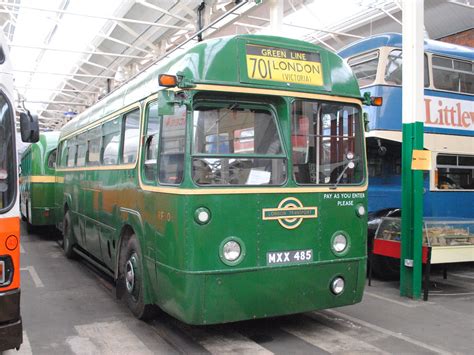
132,276
68,239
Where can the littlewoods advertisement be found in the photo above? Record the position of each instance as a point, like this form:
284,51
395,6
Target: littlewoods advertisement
441,112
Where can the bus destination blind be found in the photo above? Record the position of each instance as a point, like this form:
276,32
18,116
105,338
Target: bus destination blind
283,65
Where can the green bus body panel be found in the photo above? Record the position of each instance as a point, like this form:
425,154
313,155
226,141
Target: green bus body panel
37,199
183,270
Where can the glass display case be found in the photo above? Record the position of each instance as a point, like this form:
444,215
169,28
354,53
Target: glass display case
436,233
449,241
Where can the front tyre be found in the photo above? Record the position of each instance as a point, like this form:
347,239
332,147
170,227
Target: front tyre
68,238
132,278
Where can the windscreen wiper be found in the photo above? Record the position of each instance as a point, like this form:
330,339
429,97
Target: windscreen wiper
350,165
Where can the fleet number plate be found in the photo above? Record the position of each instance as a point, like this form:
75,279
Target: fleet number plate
289,257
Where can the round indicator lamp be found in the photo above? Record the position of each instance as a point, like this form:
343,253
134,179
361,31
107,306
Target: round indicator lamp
360,210
202,215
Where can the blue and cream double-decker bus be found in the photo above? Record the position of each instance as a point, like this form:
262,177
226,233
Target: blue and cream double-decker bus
449,125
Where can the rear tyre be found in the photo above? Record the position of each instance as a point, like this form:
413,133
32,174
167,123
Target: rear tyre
132,280
68,238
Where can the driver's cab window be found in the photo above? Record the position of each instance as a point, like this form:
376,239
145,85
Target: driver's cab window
172,146
152,134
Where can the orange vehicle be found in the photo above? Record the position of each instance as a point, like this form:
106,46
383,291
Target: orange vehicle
10,319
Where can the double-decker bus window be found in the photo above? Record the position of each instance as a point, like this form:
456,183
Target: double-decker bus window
383,158
246,136
111,141
93,146
326,148
130,140
453,75
81,150
7,174
454,172
52,159
71,153
172,146
393,70
365,67
152,134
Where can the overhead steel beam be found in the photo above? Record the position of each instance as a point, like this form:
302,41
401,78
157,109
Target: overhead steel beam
55,102
160,9
390,15
75,51
63,74
88,62
56,90
72,13
465,4
112,39
311,28
130,31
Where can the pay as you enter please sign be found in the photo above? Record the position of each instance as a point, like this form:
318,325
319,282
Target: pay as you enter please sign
421,160
283,65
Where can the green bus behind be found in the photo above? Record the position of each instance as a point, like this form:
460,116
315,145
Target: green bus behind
235,189
37,181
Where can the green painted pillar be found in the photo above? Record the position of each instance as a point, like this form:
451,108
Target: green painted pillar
412,119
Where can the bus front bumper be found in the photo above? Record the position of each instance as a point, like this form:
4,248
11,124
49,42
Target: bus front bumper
229,296
11,326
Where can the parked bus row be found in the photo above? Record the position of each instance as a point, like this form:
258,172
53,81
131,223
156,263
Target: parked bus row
147,180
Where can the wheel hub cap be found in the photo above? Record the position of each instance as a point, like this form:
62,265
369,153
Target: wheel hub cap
130,275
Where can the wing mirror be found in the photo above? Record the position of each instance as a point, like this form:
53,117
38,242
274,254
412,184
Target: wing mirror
29,127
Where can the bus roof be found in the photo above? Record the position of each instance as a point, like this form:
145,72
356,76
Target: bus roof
395,40
222,61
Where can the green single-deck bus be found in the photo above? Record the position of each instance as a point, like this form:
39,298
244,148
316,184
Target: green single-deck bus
226,184
37,182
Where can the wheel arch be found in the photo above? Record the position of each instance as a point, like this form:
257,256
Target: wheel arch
132,225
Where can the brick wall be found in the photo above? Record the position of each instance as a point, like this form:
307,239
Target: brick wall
464,38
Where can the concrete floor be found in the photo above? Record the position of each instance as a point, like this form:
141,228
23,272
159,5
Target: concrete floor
68,308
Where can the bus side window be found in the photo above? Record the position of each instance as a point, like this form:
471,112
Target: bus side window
393,71
172,146
130,137
71,153
94,137
52,159
454,172
152,133
111,141
81,150
63,154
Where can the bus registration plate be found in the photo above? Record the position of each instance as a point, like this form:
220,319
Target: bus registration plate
289,257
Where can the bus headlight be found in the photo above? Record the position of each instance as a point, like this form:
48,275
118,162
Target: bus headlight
202,215
232,251
337,285
339,243
6,270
